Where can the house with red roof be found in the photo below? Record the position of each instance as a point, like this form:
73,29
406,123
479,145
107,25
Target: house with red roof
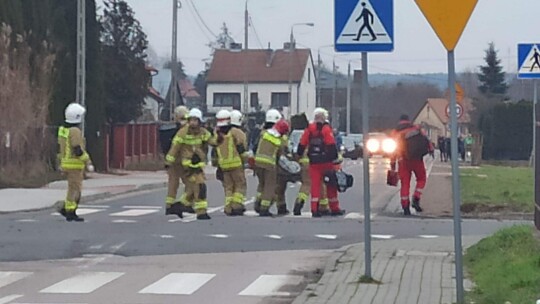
434,117
258,79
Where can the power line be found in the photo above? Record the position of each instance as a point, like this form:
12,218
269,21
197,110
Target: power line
197,22
255,31
201,18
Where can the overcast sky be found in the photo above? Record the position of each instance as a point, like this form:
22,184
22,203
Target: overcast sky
417,48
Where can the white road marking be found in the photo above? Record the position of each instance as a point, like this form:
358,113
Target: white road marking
83,283
94,206
26,220
83,211
354,216
219,236
269,285
8,277
141,207
123,221
95,247
326,236
382,236
274,236
134,212
178,283
166,236
8,299
251,213
427,236
118,246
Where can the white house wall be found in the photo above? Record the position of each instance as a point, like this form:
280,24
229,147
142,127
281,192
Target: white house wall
308,91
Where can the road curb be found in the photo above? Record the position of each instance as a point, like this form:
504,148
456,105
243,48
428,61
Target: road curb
94,197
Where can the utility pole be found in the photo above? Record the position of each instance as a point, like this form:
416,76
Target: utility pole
318,82
81,56
246,27
174,80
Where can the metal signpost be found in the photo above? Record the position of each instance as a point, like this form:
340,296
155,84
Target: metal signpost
364,26
448,19
81,57
529,68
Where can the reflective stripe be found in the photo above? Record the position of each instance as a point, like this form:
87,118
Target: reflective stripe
238,198
169,200
266,203
228,200
187,163
170,159
177,140
200,205
304,161
259,194
324,202
274,140
263,159
303,196
70,205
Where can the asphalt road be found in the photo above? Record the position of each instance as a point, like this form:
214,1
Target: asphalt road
127,245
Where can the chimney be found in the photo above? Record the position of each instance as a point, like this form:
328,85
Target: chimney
269,56
287,46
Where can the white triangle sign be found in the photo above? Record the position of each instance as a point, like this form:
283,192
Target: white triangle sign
531,64
364,27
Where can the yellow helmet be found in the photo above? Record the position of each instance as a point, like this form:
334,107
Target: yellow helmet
180,113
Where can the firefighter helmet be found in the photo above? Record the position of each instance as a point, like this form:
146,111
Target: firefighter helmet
223,118
236,118
74,113
273,116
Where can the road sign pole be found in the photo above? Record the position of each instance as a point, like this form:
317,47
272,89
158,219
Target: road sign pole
455,178
536,161
367,194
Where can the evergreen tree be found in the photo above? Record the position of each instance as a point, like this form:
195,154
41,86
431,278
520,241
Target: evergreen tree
126,79
491,75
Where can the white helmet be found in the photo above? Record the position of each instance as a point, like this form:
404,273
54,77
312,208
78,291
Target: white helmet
321,112
236,118
180,113
195,113
74,113
273,116
223,118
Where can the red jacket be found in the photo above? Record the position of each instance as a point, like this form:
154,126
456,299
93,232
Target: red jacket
323,133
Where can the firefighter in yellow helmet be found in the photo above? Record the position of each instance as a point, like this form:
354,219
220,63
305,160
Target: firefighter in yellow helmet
271,146
190,146
73,159
231,145
175,170
272,116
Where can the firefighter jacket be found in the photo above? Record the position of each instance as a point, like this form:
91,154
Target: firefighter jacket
230,149
189,147
271,146
72,154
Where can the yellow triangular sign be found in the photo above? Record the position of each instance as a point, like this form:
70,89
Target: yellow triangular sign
448,18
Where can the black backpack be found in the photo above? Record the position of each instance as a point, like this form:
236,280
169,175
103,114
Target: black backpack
416,144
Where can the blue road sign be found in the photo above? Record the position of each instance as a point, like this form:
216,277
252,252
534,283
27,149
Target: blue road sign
529,60
364,25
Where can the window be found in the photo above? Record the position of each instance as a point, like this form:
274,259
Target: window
280,100
227,100
309,75
254,100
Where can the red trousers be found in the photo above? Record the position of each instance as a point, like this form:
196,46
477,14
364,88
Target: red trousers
316,173
405,170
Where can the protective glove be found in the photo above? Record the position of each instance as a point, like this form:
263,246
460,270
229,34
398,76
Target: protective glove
90,168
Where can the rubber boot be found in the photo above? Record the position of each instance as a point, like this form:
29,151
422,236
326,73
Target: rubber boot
406,211
174,209
257,205
187,209
203,216
62,211
416,204
282,210
298,205
339,212
71,216
265,213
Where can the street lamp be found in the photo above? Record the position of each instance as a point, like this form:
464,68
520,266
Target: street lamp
291,48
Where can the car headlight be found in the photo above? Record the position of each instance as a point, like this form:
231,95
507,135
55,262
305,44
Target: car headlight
373,145
389,145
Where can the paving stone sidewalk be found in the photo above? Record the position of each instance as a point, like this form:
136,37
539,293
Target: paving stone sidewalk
410,271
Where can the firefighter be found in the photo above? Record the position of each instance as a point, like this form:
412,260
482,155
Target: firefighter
175,171
305,188
230,146
412,145
271,146
319,141
190,146
73,159
272,116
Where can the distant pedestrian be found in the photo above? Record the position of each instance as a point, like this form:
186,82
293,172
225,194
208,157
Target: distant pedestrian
441,144
448,148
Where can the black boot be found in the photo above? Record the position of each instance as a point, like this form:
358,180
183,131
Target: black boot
62,211
187,209
265,213
174,209
340,212
282,210
325,212
204,216
257,206
315,214
71,216
298,205
406,211
416,204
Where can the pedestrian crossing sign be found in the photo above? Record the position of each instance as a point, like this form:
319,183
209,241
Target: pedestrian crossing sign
529,60
364,25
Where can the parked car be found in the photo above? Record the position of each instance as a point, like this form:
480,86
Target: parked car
352,147
381,144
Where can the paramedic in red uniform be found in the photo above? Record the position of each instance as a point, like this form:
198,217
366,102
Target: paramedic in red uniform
318,139
410,159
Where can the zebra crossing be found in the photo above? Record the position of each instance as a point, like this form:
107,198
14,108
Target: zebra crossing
14,288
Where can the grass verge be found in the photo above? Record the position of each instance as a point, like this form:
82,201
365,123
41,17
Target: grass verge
505,267
492,188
